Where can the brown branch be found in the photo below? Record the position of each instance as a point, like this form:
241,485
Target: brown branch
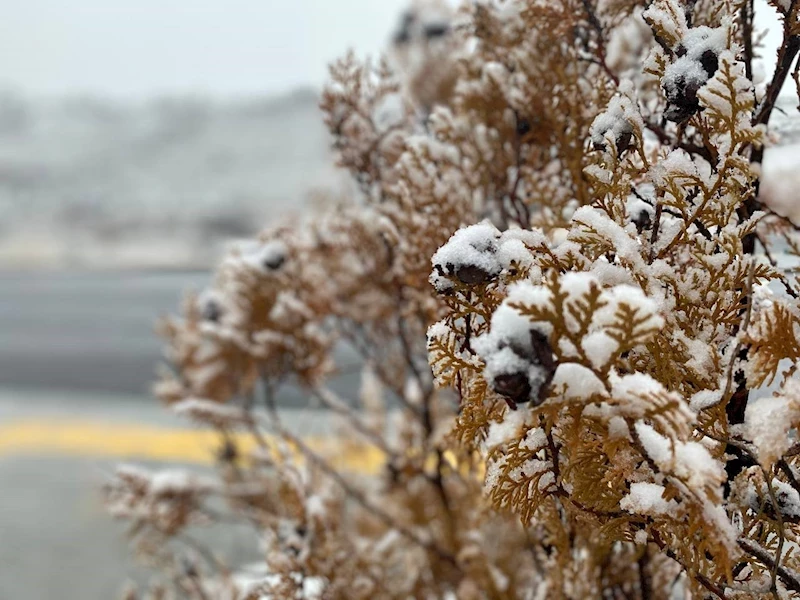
789,577
523,214
645,589
787,470
747,15
796,77
781,533
654,232
689,147
595,23
362,500
712,587
786,55
329,398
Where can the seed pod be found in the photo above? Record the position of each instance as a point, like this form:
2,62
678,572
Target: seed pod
514,386
523,126
543,352
211,310
710,62
403,34
623,141
544,357
642,220
471,274
274,262
436,30
682,101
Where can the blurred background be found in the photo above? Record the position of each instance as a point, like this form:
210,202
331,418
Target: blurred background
137,140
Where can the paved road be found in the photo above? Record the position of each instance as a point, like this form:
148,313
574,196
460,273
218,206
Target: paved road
85,331
94,331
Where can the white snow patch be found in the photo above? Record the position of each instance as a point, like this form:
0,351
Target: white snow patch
648,499
578,382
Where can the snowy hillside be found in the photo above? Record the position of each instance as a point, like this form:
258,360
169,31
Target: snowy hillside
85,182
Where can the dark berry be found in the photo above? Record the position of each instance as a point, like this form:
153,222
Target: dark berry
682,99
542,350
624,141
212,311
403,34
472,275
274,262
642,220
514,386
436,30
710,62
523,127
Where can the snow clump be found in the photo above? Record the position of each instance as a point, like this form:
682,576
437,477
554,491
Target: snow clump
477,254
697,62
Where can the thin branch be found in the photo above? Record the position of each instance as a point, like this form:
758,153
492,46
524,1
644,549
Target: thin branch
601,45
207,555
654,232
747,16
712,587
333,402
667,140
786,55
745,324
361,499
789,577
781,533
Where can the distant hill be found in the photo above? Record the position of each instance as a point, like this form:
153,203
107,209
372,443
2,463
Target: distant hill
88,181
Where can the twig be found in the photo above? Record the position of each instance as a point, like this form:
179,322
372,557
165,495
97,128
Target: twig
601,46
361,499
523,214
745,324
712,587
689,147
645,589
207,555
787,470
781,533
786,55
654,232
747,15
329,399
789,577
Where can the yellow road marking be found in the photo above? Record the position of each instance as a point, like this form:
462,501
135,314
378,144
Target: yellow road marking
142,442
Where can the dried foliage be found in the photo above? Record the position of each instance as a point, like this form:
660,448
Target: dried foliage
564,195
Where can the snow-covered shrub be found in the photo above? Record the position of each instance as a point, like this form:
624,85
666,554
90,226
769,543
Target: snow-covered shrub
569,238
635,448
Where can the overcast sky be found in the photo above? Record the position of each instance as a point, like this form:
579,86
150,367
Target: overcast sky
138,48
143,47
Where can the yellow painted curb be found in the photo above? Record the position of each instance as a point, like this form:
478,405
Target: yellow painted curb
141,442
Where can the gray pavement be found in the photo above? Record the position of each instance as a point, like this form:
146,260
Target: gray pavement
86,330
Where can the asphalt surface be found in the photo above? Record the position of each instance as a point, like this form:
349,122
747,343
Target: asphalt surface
90,331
